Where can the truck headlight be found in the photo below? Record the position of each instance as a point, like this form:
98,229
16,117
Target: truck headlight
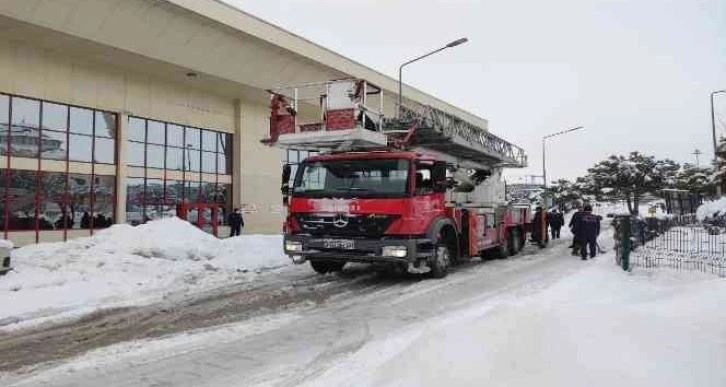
394,251
293,247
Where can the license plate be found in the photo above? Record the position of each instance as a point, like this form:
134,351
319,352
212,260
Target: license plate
338,244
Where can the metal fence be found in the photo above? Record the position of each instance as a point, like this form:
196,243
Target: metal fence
680,243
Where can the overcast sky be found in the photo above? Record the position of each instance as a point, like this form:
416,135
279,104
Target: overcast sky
637,74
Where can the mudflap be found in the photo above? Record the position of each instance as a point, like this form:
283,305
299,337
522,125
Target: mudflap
5,268
419,267
298,259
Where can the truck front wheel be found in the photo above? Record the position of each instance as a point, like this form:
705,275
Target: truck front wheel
324,267
440,262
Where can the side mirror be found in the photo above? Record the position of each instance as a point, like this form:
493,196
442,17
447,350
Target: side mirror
286,171
441,181
285,184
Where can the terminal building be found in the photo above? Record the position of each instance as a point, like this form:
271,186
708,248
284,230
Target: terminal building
126,111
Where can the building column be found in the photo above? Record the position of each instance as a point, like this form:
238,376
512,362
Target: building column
121,146
237,155
258,177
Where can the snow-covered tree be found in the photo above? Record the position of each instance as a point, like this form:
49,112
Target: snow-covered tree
630,177
696,179
564,191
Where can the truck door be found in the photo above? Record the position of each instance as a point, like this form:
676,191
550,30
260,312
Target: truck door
491,231
472,229
428,197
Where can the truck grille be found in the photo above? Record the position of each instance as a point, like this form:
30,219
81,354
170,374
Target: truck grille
349,225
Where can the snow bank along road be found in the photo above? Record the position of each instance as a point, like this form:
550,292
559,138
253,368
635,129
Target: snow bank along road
326,316
539,319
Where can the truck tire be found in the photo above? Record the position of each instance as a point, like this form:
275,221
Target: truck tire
324,267
515,242
502,251
440,261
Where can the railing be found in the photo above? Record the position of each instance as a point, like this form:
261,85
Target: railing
680,243
337,104
343,104
452,126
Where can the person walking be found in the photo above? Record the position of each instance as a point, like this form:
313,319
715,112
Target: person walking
236,222
539,227
573,222
587,229
86,220
556,221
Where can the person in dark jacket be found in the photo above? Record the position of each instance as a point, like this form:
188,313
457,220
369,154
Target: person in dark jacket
556,221
100,221
539,227
86,220
575,217
64,221
236,222
587,228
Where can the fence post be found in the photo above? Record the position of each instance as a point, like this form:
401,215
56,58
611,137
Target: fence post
625,234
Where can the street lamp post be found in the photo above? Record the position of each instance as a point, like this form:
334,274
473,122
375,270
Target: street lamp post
713,124
697,153
544,150
400,68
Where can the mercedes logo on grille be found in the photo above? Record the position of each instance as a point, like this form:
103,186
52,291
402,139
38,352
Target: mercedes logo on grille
340,221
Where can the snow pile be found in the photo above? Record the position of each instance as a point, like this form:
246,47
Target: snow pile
5,244
125,265
600,326
712,209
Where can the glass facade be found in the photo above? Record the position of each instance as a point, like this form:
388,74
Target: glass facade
64,157
37,199
155,145
55,201
162,145
40,129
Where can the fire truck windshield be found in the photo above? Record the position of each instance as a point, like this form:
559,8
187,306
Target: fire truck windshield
383,178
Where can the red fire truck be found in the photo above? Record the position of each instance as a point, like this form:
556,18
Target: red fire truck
420,191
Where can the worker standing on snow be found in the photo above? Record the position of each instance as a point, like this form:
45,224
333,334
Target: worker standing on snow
573,222
556,222
587,228
236,222
539,227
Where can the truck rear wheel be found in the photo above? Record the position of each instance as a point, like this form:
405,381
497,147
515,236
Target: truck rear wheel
324,267
502,251
515,242
440,262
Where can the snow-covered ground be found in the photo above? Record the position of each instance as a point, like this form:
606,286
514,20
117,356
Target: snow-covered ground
548,319
126,265
712,209
598,327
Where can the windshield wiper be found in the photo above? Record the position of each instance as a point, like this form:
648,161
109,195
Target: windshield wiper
349,189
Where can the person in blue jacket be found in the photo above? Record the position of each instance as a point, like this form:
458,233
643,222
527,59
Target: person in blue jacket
587,228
